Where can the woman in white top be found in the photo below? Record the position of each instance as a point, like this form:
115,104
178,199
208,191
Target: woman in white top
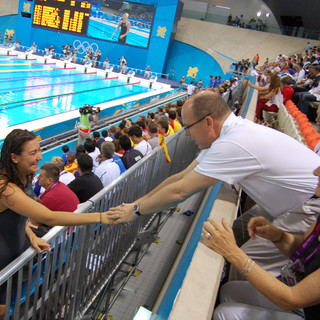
272,101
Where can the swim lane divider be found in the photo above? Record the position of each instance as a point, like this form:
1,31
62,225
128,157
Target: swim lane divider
66,94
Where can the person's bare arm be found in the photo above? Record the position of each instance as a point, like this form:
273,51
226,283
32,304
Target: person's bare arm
269,94
40,245
95,120
115,30
15,199
165,197
258,87
286,242
176,177
305,293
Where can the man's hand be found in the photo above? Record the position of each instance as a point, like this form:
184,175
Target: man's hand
122,213
263,228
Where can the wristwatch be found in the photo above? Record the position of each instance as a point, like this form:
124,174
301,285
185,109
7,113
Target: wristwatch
136,208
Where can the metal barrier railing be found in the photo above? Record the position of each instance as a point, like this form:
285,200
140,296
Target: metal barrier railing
64,283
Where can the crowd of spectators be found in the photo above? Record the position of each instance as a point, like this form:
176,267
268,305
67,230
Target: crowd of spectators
216,84
298,77
79,174
253,24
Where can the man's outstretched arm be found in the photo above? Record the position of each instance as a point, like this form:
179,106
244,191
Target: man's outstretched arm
172,179
163,198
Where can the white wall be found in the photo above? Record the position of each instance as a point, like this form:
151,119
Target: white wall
236,43
8,7
248,8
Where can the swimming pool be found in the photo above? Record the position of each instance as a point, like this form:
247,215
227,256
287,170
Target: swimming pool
38,92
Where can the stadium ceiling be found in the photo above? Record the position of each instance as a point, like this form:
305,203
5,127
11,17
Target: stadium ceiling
304,12
295,12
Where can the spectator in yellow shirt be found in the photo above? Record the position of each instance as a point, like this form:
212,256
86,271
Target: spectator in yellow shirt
174,123
165,128
72,165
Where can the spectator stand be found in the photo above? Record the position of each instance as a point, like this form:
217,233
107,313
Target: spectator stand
293,122
81,269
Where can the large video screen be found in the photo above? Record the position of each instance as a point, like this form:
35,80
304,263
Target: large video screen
122,21
118,21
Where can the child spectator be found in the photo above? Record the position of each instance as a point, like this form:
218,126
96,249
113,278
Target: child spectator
72,164
287,90
66,151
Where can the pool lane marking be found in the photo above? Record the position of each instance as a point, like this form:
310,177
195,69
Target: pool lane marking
109,78
40,86
95,72
64,68
42,64
130,84
26,64
24,70
43,69
33,100
39,77
15,64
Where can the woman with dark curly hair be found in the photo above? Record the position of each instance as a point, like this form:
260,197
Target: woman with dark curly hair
19,161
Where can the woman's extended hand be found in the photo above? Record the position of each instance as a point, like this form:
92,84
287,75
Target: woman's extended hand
39,244
220,238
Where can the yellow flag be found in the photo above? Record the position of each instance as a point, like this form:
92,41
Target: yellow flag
162,143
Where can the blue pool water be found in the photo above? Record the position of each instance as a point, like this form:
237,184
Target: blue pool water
30,90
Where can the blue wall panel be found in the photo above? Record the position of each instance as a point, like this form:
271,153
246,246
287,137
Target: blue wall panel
188,60
8,23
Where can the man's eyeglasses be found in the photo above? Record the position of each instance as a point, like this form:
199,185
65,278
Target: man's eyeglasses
190,125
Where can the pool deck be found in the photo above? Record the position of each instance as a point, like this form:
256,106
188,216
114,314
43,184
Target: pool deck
161,88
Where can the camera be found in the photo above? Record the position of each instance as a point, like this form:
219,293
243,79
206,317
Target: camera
88,109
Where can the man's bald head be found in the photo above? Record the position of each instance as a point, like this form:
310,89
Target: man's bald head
207,102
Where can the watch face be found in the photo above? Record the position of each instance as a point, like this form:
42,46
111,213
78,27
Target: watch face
136,207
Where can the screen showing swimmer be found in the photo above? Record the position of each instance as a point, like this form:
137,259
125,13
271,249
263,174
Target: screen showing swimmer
121,21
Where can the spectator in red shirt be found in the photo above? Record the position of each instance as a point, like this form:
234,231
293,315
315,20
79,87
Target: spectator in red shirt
287,90
57,197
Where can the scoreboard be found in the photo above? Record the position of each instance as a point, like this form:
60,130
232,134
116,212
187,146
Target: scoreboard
65,15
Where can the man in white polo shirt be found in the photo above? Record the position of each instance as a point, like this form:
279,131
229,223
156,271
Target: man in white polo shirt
107,170
275,170
142,145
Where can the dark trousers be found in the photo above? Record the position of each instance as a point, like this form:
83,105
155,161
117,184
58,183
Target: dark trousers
304,100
